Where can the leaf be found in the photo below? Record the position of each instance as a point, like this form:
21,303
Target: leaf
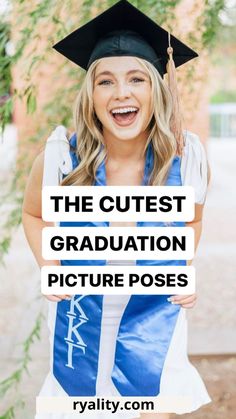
31,103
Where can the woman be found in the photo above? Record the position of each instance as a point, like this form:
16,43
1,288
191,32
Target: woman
124,136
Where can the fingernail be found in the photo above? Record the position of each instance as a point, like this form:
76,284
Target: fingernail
169,299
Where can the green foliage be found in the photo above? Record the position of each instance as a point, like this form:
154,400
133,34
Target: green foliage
6,112
60,17
11,412
5,79
211,22
223,96
16,376
12,198
14,379
31,101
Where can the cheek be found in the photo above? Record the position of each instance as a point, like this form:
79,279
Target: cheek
96,101
147,106
100,104
149,101
144,96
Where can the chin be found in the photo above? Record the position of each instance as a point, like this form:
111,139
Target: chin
126,134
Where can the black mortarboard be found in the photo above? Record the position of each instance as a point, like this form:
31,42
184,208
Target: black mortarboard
123,30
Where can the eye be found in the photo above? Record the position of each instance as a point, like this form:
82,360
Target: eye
137,80
104,82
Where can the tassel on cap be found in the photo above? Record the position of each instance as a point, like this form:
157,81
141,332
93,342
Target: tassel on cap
176,122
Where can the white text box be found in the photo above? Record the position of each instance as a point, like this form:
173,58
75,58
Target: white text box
108,203
111,280
153,243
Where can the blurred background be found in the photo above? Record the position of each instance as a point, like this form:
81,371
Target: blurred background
37,92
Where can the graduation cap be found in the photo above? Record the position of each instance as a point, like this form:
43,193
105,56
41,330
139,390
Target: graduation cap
122,30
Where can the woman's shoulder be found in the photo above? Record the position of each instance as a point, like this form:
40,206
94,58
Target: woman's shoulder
37,167
192,140
193,148
57,159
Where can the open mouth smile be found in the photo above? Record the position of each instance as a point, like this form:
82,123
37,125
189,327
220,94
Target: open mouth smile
124,116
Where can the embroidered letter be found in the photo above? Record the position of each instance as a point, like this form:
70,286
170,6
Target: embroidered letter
74,339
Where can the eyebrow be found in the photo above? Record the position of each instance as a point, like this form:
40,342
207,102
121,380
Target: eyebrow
109,73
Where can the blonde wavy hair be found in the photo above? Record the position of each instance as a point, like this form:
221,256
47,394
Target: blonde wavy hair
90,148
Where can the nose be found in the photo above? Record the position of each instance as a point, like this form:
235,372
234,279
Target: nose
122,91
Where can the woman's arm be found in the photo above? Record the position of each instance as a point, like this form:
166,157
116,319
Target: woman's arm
188,301
196,224
32,216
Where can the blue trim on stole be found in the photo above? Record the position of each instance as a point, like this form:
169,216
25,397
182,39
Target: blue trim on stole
145,330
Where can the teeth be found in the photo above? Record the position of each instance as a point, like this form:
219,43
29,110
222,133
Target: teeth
124,110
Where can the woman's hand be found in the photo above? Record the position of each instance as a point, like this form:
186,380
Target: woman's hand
186,301
57,298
